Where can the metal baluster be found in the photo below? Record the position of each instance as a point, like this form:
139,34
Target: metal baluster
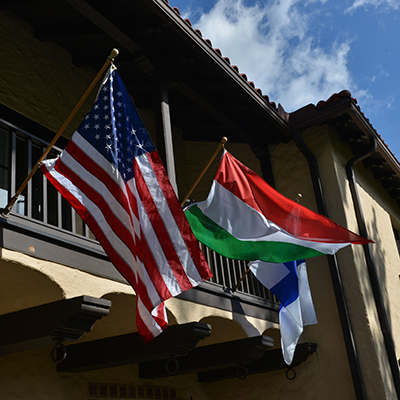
13,162
73,220
28,202
59,210
44,194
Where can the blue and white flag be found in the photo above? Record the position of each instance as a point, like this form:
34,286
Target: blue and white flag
289,283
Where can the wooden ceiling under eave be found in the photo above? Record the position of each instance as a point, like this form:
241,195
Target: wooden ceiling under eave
208,99
354,128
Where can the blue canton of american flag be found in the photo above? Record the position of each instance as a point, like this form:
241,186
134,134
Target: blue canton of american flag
114,127
112,175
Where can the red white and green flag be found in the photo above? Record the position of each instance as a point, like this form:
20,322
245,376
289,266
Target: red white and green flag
244,218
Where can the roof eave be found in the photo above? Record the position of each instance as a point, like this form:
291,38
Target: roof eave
309,116
175,22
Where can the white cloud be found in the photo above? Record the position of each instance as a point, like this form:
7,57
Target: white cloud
387,4
271,43
390,100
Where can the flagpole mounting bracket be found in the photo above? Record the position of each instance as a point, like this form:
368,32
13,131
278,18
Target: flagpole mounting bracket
241,372
172,365
58,356
290,374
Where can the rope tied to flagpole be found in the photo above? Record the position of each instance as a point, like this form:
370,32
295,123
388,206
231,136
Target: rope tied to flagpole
110,59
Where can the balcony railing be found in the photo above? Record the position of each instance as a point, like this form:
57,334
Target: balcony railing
40,201
228,272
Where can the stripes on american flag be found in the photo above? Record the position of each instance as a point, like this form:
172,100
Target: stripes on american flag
112,175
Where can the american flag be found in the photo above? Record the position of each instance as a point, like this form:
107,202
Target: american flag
111,173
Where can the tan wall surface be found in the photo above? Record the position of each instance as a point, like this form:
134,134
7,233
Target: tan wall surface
38,79
28,281
328,374
32,375
377,207
332,156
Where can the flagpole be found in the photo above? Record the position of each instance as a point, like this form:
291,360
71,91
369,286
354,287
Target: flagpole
241,279
9,206
220,146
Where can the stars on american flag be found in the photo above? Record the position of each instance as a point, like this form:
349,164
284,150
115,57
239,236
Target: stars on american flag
138,234
112,119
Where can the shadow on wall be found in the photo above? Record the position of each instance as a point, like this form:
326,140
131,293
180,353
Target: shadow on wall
222,330
382,264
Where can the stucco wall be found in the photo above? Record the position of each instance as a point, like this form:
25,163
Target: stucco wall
378,209
38,79
28,282
332,156
327,375
32,375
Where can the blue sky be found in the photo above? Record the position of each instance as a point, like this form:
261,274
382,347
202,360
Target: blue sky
300,52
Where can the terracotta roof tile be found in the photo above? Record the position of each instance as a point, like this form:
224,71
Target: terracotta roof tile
335,97
347,94
176,9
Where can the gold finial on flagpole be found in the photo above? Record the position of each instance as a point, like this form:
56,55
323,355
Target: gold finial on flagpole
6,210
298,197
220,146
113,54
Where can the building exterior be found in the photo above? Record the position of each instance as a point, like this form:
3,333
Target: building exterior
61,297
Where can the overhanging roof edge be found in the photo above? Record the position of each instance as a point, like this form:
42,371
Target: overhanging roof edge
165,11
348,105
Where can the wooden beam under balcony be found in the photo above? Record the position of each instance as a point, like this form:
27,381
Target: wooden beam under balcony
40,326
175,341
210,358
270,360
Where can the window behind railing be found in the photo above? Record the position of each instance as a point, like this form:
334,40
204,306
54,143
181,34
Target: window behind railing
40,201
